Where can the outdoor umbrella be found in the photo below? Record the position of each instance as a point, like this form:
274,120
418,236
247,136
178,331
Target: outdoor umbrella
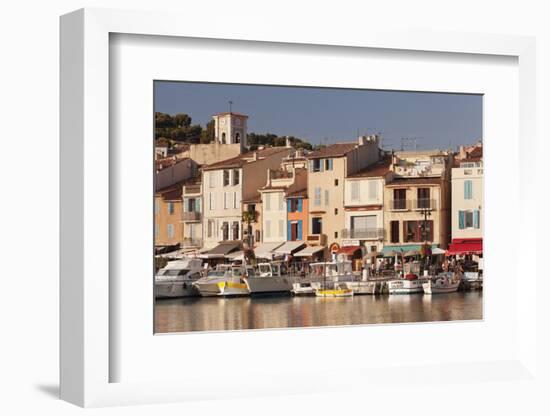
438,250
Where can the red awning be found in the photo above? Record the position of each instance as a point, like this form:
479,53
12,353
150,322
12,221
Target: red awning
348,250
465,246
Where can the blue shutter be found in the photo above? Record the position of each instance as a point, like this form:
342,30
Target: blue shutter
329,164
311,165
468,189
197,205
289,205
299,236
476,218
299,204
321,165
461,219
288,231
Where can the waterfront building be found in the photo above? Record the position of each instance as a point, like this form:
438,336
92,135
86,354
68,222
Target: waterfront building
276,224
168,211
328,167
226,184
417,200
467,201
192,214
363,210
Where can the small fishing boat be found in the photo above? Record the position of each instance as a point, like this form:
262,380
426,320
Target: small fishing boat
410,284
270,278
337,291
362,287
333,275
305,288
444,283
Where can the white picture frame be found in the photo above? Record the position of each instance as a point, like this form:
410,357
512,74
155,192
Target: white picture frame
86,353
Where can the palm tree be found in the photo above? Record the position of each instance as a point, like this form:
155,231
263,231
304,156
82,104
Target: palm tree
249,217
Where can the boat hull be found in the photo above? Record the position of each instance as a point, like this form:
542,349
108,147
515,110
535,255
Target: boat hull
304,289
364,288
271,284
175,289
434,288
405,287
334,293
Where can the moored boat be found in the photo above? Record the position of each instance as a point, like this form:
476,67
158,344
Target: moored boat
444,283
177,277
270,278
410,284
338,291
225,281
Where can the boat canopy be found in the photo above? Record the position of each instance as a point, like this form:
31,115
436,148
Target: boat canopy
309,251
289,247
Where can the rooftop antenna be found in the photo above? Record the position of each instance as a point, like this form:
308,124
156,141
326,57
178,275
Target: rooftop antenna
230,106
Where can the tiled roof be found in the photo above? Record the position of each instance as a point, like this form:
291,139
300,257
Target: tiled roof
415,181
333,150
167,162
374,170
240,160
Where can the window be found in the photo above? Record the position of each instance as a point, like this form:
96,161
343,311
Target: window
335,182
225,178
317,200
237,137
394,227
235,230
170,230
468,219
210,201
468,191
423,198
210,227
281,228
373,190
170,208
257,236
223,138
268,202
211,179
399,199
316,165
225,231
234,199
355,191
326,197
316,225
267,228
335,211
328,164
236,176
335,234
418,231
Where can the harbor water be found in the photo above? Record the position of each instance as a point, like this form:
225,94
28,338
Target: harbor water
216,313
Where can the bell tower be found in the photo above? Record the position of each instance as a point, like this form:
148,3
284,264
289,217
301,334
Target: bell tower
230,128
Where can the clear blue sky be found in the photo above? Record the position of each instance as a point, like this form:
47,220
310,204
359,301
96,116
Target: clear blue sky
332,115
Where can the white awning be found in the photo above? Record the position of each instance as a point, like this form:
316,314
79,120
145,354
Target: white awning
265,250
289,247
237,255
309,251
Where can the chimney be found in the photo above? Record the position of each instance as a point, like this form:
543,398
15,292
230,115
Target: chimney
287,142
361,140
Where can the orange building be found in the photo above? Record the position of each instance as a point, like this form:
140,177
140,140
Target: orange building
168,216
297,215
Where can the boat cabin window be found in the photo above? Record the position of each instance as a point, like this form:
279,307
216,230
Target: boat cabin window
264,268
174,272
275,269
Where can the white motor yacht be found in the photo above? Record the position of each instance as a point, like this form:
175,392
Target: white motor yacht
444,283
270,278
177,277
225,281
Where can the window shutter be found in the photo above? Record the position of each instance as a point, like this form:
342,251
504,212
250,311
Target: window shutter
300,205
289,205
288,231
299,236
311,165
461,220
476,218
329,164
197,205
321,165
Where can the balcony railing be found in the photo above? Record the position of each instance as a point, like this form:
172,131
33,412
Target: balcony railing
400,204
364,233
191,216
192,242
424,203
320,239
191,189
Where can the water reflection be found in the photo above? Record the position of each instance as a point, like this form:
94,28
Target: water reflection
214,314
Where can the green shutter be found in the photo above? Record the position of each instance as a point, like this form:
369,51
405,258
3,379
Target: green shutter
461,219
476,218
